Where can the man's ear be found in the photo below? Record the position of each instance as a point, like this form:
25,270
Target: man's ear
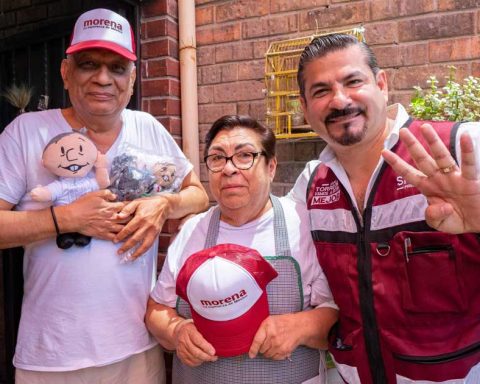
303,104
63,72
382,83
133,76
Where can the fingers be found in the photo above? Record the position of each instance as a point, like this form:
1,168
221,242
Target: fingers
402,168
440,153
257,342
191,347
128,210
143,243
469,165
134,224
425,163
108,196
142,229
437,212
273,339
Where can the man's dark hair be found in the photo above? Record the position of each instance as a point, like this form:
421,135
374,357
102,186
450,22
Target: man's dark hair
322,45
230,122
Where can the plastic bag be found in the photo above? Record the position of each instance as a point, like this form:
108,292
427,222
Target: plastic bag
138,173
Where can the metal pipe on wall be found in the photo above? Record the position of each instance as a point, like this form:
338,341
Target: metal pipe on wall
188,81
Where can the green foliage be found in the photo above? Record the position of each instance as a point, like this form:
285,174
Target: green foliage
453,102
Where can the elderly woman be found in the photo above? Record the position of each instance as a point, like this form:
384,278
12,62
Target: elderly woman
285,346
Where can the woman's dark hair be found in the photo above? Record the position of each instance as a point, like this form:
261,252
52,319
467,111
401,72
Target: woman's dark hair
229,122
322,45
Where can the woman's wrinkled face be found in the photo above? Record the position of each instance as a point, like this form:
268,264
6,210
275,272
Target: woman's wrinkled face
235,189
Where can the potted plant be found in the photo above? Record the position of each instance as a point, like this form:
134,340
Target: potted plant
453,102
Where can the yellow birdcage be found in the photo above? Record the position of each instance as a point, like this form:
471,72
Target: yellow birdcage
283,111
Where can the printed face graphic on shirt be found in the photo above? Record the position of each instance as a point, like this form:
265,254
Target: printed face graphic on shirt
70,155
164,173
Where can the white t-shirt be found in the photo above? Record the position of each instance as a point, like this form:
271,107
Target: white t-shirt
257,234
81,307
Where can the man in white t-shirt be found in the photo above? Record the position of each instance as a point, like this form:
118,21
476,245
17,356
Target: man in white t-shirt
83,308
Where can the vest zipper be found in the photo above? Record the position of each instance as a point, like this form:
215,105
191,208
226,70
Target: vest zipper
445,358
367,308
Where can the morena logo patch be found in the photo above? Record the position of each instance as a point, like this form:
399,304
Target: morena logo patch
104,23
236,297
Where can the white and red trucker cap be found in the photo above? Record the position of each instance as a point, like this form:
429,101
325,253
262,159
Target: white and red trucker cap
102,28
226,288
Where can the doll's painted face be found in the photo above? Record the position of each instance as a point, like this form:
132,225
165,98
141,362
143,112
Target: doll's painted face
164,173
70,155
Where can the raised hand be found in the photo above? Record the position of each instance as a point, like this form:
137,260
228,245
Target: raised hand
452,192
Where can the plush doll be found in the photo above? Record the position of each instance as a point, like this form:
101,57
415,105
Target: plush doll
165,174
71,156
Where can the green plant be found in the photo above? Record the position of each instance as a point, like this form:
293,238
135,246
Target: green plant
453,102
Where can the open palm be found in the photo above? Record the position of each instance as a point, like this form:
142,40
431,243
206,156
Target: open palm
452,192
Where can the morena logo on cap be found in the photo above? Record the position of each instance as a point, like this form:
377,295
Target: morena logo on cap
105,29
93,23
226,288
222,302
221,289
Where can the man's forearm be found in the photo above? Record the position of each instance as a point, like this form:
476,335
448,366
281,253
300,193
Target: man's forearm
191,199
21,228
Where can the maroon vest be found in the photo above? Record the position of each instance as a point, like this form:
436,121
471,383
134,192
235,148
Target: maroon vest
409,296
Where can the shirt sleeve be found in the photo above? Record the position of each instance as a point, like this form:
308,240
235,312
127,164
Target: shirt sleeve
165,287
164,291
12,169
299,191
321,294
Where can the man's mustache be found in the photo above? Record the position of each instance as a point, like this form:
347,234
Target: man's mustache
342,112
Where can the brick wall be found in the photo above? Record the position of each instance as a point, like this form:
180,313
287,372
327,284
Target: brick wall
160,72
160,66
412,39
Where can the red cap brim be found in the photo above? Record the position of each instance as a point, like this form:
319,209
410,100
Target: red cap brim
100,44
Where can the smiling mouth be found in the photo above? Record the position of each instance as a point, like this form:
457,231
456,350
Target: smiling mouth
101,96
74,168
339,119
342,115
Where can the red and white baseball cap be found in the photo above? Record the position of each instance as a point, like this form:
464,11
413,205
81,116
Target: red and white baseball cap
226,288
102,28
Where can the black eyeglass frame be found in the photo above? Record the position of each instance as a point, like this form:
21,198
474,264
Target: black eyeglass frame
230,158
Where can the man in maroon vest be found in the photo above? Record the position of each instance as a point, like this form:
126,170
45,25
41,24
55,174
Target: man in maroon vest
407,287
